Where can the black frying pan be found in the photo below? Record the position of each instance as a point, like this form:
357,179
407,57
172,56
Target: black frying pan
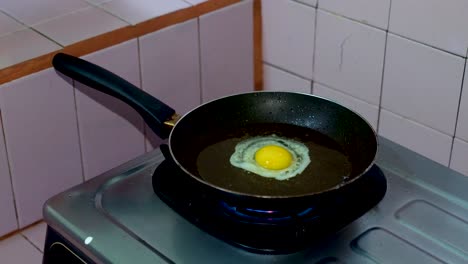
343,145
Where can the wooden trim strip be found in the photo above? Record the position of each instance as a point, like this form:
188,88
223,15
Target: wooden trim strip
113,38
258,45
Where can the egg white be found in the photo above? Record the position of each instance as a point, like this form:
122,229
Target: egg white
244,156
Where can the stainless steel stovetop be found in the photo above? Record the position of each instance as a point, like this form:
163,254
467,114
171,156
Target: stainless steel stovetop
117,218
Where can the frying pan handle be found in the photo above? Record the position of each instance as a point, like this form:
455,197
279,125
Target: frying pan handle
153,111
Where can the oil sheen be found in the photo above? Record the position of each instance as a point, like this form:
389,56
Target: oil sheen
329,165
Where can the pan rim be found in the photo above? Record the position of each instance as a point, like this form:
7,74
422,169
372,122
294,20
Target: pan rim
257,196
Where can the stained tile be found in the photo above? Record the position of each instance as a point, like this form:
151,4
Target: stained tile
226,39
41,135
422,83
275,79
367,111
371,12
17,250
24,45
289,42
32,12
136,11
349,56
111,132
8,24
438,23
84,24
419,138
8,221
170,68
36,235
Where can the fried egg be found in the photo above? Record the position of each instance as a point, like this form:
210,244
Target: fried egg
271,157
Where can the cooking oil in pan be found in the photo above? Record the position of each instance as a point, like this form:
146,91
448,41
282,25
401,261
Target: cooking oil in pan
329,166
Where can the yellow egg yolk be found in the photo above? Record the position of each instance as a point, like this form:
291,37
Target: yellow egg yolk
273,157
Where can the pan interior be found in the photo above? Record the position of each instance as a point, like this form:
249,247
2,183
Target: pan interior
341,145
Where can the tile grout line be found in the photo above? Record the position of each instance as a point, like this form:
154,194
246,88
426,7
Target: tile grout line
393,33
140,76
286,70
13,193
80,146
382,79
30,242
314,50
458,112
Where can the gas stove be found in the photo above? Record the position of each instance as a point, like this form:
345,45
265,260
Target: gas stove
117,218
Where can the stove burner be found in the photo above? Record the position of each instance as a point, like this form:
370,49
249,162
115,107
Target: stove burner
265,231
265,216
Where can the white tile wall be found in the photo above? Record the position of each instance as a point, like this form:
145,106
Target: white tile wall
136,11
85,23
275,79
367,111
422,83
41,135
462,124
32,12
41,112
36,235
170,68
24,45
421,139
289,40
8,221
349,56
459,160
8,24
438,23
308,2
226,46
17,249
103,120
371,12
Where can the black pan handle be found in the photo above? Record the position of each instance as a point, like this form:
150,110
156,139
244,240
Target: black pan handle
153,111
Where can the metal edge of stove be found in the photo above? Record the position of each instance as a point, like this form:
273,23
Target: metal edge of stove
73,204
81,200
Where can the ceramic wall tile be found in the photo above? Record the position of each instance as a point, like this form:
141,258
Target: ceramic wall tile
170,68
308,2
289,42
371,12
41,136
32,12
136,11
368,111
195,2
17,249
111,132
80,25
24,45
226,45
8,25
462,123
422,83
275,79
419,138
36,235
438,23
349,57
8,222
459,160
